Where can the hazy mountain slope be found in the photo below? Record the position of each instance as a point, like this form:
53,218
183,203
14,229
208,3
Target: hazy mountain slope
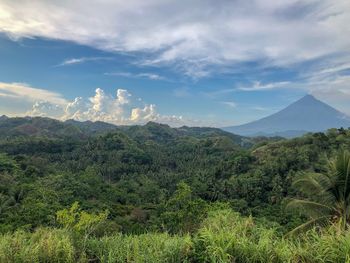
305,115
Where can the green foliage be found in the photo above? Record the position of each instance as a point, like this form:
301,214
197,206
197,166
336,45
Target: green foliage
154,178
183,212
80,221
328,195
7,164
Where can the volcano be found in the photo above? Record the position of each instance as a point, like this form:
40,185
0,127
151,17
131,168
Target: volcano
308,114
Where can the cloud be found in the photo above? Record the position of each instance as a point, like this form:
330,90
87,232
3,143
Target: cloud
73,61
259,108
194,36
143,75
148,113
23,91
333,89
268,86
121,108
230,104
45,109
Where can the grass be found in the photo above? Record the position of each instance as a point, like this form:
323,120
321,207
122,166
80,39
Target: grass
228,237
44,245
142,248
224,236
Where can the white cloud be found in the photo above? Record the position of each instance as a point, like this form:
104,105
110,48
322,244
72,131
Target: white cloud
333,89
73,61
121,109
195,35
46,109
144,75
268,86
230,104
148,113
75,109
259,108
23,91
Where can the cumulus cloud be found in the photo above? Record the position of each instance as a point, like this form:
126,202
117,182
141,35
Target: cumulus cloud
195,35
121,108
147,113
46,109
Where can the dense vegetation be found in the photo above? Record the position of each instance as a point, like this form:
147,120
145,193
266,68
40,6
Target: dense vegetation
95,192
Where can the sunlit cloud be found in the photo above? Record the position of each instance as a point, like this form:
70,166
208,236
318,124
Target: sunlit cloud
121,109
24,91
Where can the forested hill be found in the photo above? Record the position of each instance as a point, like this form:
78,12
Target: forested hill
149,177
50,128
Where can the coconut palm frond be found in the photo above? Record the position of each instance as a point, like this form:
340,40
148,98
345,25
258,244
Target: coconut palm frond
329,194
312,183
310,208
323,220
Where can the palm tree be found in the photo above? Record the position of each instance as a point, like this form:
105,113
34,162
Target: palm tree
327,195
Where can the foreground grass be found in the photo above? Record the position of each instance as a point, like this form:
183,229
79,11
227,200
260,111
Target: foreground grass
224,237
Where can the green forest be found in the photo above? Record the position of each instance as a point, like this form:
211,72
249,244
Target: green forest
93,192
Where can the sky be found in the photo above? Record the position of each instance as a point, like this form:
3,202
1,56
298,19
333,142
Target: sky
193,62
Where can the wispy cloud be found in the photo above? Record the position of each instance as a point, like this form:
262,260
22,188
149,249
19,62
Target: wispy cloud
144,75
267,86
73,61
230,104
259,108
23,91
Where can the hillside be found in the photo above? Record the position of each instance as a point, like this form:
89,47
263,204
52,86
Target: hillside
71,129
149,184
137,168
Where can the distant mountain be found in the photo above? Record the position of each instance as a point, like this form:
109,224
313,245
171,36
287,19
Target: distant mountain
3,117
305,115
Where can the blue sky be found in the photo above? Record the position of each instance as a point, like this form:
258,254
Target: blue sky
183,63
